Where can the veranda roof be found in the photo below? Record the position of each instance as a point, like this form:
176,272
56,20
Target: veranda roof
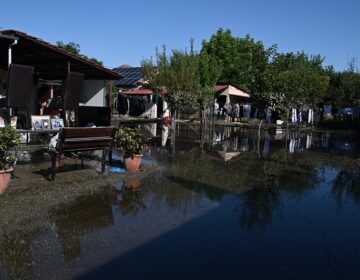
50,61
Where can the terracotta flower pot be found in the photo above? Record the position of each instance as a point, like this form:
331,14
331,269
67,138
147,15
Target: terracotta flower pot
5,176
132,164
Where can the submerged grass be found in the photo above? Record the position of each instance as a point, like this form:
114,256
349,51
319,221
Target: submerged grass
26,208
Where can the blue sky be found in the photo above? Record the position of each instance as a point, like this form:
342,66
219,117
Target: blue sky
124,32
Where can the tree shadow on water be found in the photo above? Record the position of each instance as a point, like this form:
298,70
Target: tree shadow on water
211,192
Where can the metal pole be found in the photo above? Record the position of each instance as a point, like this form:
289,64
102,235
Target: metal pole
9,63
110,97
10,52
9,56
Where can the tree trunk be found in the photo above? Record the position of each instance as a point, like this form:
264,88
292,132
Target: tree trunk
203,119
173,117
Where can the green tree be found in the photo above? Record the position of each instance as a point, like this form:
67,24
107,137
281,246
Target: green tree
70,47
344,87
297,81
74,48
94,60
187,76
243,61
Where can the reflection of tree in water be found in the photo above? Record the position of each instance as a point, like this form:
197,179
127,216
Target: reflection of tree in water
258,181
171,194
209,191
131,201
75,220
346,184
257,205
298,180
255,180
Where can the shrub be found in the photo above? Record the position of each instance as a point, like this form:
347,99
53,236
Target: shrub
9,138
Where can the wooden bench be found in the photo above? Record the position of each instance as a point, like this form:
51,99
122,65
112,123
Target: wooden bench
81,139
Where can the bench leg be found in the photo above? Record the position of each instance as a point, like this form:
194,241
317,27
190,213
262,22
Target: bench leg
110,155
103,161
53,166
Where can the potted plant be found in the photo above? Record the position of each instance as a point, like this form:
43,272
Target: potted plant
131,143
9,138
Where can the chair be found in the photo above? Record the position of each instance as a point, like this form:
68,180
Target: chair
19,87
71,94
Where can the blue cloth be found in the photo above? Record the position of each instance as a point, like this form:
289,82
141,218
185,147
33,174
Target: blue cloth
268,116
117,170
246,110
266,146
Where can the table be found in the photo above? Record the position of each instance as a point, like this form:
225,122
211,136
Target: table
36,131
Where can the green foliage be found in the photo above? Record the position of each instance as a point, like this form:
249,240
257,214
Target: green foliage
188,77
297,80
74,48
93,59
9,138
243,61
275,80
70,47
131,142
344,89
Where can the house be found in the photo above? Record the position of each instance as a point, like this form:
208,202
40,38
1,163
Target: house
132,77
52,66
134,99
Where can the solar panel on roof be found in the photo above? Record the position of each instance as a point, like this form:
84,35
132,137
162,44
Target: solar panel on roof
134,76
131,75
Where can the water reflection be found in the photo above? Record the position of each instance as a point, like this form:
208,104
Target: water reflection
346,185
130,197
75,221
256,207
246,196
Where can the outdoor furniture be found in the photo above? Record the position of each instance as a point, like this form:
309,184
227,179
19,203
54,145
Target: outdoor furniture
80,139
28,132
19,87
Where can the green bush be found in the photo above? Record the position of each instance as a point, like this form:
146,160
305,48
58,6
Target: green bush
9,138
131,142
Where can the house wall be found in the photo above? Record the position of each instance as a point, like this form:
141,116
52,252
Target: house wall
3,78
151,113
166,110
93,93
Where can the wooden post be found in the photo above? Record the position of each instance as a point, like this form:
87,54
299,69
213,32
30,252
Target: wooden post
110,97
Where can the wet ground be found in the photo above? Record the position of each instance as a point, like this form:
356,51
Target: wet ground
209,204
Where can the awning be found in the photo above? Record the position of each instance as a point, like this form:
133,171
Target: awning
139,91
228,155
222,155
233,91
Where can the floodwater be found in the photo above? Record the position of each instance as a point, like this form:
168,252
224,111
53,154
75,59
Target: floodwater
224,203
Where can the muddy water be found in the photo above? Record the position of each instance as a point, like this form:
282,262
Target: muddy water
224,203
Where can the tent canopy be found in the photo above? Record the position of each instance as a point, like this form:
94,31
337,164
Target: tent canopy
233,91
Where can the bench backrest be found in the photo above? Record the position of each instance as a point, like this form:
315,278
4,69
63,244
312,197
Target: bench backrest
85,138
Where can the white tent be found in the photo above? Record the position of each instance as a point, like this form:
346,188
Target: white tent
233,91
228,155
230,90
